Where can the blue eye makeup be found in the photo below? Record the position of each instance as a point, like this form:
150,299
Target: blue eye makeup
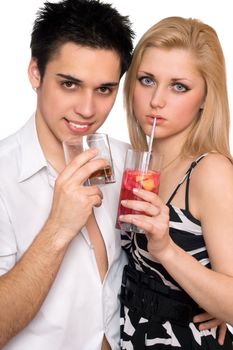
146,80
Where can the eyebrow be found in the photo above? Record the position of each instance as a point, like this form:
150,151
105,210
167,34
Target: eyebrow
78,81
146,73
180,78
152,76
173,80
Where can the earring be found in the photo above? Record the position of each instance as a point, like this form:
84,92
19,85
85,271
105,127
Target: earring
202,106
34,88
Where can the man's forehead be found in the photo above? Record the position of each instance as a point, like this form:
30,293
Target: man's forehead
81,62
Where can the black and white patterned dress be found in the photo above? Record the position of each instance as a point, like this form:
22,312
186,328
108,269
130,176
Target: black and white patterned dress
156,313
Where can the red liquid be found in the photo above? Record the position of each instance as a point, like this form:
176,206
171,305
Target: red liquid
136,179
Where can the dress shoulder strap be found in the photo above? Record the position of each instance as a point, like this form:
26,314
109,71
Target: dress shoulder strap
186,177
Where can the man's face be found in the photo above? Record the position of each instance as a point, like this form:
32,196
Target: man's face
76,94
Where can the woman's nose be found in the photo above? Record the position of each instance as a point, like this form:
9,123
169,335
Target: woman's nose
158,98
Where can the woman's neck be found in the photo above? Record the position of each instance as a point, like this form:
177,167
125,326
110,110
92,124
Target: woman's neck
169,150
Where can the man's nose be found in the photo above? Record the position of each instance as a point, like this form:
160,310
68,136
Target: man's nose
85,105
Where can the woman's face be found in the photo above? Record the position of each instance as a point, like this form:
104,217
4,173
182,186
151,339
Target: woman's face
170,88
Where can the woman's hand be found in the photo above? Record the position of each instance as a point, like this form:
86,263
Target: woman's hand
154,220
207,321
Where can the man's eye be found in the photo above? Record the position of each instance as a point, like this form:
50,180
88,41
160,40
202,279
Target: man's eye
147,81
68,84
104,90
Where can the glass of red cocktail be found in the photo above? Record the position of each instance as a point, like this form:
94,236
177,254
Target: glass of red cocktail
141,170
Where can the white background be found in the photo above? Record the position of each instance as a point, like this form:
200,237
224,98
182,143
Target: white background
17,99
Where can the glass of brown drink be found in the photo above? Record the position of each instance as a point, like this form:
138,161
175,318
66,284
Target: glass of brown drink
99,141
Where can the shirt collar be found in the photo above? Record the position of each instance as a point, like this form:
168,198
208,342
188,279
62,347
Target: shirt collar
32,156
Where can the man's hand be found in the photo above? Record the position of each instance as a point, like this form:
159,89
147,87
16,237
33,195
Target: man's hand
73,202
207,321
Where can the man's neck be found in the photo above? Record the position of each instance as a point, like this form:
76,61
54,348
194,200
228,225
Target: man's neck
51,146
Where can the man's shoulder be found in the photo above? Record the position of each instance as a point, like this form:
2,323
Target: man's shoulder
12,143
9,159
9,145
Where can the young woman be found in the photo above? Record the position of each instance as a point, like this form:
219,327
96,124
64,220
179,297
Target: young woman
184,263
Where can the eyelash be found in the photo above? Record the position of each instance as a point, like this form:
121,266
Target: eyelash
71,85
68,84
183,86
152,82
107,89
143,78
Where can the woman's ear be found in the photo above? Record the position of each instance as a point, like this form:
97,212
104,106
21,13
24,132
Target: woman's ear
34,73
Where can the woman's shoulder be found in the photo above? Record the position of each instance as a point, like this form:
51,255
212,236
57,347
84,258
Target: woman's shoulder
211,184
214,162
213,170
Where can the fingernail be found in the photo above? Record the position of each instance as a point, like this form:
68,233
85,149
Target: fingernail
123,202
135,190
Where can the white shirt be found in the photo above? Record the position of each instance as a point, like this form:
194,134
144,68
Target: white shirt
79,309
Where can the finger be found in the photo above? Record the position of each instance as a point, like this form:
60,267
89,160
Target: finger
92,191
138,220
96,200
85,172
148,196
97,205
78,161
142,206
222,333
128,218
204,316
80,174
209,324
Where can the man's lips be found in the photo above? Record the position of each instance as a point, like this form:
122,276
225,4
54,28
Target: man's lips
75,126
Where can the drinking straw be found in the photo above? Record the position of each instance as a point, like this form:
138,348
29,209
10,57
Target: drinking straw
152,136
150,144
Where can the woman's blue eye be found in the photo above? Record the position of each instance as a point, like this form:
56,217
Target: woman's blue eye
147,81
180,87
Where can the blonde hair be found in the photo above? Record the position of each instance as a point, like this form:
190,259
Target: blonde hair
211,130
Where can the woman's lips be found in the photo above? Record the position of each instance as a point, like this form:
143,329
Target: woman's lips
150,120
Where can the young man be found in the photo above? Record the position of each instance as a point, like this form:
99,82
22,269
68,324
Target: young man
60,257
